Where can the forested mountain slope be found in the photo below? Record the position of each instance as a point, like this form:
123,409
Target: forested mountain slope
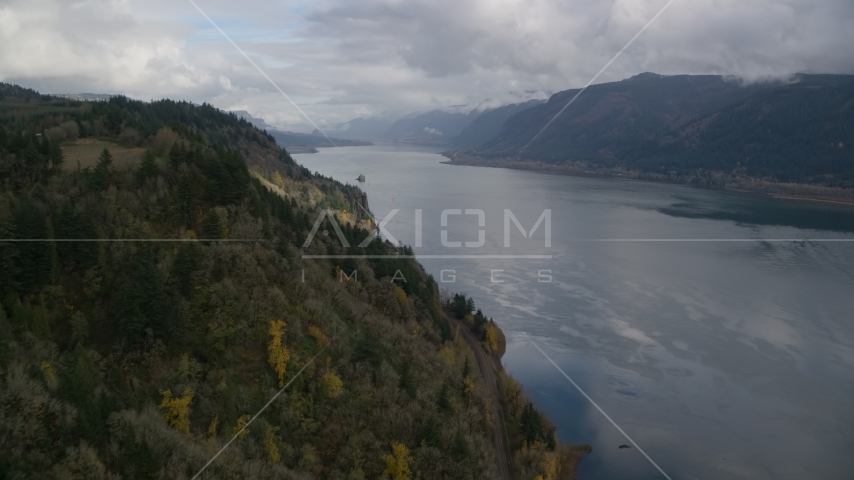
148,310
488,124
677,126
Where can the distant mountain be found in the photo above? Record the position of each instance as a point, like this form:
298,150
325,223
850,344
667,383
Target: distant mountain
304,142
802,131
372,128
439,126
488,124
255,121
295,142
435,127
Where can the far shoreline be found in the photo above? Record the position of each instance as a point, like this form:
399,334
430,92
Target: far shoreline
845,199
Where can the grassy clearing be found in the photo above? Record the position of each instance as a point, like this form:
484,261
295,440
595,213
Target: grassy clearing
86,150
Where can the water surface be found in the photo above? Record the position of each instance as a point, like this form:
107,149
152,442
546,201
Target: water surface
722,359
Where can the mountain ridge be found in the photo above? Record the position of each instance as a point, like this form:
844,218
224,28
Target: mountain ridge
143,353
702,129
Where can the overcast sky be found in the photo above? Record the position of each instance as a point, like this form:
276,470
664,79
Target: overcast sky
340,59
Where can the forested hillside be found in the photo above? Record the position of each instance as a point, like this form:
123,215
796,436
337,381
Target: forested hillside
149,309
698,128
488,124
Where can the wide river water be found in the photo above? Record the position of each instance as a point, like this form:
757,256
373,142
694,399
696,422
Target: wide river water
723,352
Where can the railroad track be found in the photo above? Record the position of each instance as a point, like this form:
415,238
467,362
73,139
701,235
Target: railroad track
503,456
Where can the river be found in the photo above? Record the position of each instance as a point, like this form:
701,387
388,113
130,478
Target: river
719,346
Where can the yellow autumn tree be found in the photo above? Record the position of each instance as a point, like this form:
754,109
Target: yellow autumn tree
397,464
448,354
401,296
270,445
48,371
468,385
319,337
176,411
243,420
278,180
213,426
491,338
549,465
278,353
332,384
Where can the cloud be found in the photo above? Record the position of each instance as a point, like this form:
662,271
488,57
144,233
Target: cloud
44,40
341,59
570,41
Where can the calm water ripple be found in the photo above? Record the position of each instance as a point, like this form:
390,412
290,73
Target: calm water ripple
722,359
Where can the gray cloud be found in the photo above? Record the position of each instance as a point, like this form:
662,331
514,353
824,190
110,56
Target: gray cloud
341,59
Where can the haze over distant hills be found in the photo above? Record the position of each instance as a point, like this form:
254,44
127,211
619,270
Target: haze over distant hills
468,126
435,127
298,142
257,122
489,124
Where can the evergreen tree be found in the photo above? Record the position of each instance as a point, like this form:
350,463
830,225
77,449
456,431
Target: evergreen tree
142,302
429,432
101,175
213,226
368,350
444,401
460,446
105,159
177,155
8,260
73,225
148,168
53,256
186,262
5,337
33,255
407,381
187,194
531,423
56,157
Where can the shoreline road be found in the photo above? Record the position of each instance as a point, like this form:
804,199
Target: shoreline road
487,369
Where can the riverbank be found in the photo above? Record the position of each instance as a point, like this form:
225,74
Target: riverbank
518,450
707,179
295,149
